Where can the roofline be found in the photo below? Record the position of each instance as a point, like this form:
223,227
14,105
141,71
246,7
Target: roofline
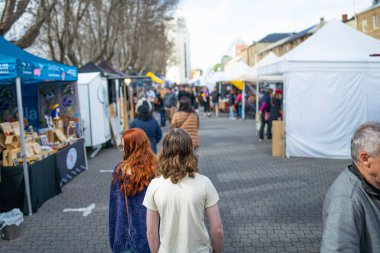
368,9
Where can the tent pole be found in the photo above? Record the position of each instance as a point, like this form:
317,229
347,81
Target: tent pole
132,110
125,102
22,136
283,116
117,109
243,103
257,103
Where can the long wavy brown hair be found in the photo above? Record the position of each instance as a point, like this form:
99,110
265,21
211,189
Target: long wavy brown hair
139,163
177,157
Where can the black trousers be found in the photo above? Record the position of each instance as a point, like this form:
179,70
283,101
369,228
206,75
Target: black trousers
206,107
262,126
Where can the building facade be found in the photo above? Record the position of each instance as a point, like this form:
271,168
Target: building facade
179,69
250,54
368,21
283,46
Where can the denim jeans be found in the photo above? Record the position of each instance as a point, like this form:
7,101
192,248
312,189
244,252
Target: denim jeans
262,126
232,114
163,116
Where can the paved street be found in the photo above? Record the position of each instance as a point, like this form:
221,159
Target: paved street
267,204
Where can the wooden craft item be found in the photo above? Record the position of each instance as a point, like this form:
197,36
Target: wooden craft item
16,128
16,143
2,141
29,150
37,148
5,158
12,155
6,127
60,135
9,141
58,123
50,136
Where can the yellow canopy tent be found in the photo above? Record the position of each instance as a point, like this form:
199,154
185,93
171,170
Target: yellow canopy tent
155,78
238,84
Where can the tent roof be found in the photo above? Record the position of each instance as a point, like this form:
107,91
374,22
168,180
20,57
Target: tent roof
334,45
268,59
32,68
273,37
84,78
107,67
90,67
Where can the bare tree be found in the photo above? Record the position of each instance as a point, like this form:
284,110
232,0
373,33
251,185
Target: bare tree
125,33
14,10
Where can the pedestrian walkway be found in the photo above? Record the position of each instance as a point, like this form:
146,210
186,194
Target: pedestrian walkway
267,204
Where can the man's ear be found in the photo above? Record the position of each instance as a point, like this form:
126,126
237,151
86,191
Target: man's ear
364,159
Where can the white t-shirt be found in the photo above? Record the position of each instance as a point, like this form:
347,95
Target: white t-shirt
181,207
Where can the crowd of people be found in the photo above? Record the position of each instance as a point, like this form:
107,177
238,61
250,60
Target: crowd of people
159,204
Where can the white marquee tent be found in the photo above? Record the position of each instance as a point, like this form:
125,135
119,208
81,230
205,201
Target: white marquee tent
331,86
252,75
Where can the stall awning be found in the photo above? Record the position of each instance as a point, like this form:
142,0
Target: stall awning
155,78
15,62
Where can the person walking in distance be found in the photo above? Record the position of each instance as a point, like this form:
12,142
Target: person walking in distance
231,100
170,103
276,110
146,122
130,179
264,114
187,119
215,95
178,199
351,210
206,102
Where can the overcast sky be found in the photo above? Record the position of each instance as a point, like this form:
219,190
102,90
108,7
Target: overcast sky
215,24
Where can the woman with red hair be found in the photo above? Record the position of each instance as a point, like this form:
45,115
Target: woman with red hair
131,177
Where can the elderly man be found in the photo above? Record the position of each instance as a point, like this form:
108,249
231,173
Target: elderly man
351,212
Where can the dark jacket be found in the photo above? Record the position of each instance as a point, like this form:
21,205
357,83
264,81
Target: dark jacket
122,234
170,100
152,130
276,108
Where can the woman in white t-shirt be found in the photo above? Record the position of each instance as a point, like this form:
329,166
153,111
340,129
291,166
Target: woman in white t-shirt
177,200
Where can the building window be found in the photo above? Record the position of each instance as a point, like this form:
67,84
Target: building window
364,25
375,21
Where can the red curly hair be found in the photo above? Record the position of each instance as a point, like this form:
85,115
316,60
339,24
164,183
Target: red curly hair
139,164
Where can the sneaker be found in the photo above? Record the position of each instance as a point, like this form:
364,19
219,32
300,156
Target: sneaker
260,140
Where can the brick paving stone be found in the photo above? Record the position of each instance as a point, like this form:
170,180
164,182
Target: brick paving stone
267,204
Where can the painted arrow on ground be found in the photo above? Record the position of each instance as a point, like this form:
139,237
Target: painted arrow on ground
86,210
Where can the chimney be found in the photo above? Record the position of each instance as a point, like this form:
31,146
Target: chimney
322,21
344,18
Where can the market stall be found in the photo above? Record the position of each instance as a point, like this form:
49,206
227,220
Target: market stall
101,90
36,141
331,86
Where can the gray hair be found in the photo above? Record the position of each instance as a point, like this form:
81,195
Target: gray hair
367,139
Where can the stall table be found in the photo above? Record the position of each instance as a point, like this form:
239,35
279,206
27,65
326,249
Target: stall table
46,177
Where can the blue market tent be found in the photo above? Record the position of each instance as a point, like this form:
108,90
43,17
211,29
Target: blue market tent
15,62
18,66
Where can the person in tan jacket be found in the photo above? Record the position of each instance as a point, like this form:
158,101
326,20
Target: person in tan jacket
187,119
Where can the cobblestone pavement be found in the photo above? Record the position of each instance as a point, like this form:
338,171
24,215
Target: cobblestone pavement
267,204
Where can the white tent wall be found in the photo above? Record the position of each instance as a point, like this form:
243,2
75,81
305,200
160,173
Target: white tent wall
324,108
331,87
93,97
